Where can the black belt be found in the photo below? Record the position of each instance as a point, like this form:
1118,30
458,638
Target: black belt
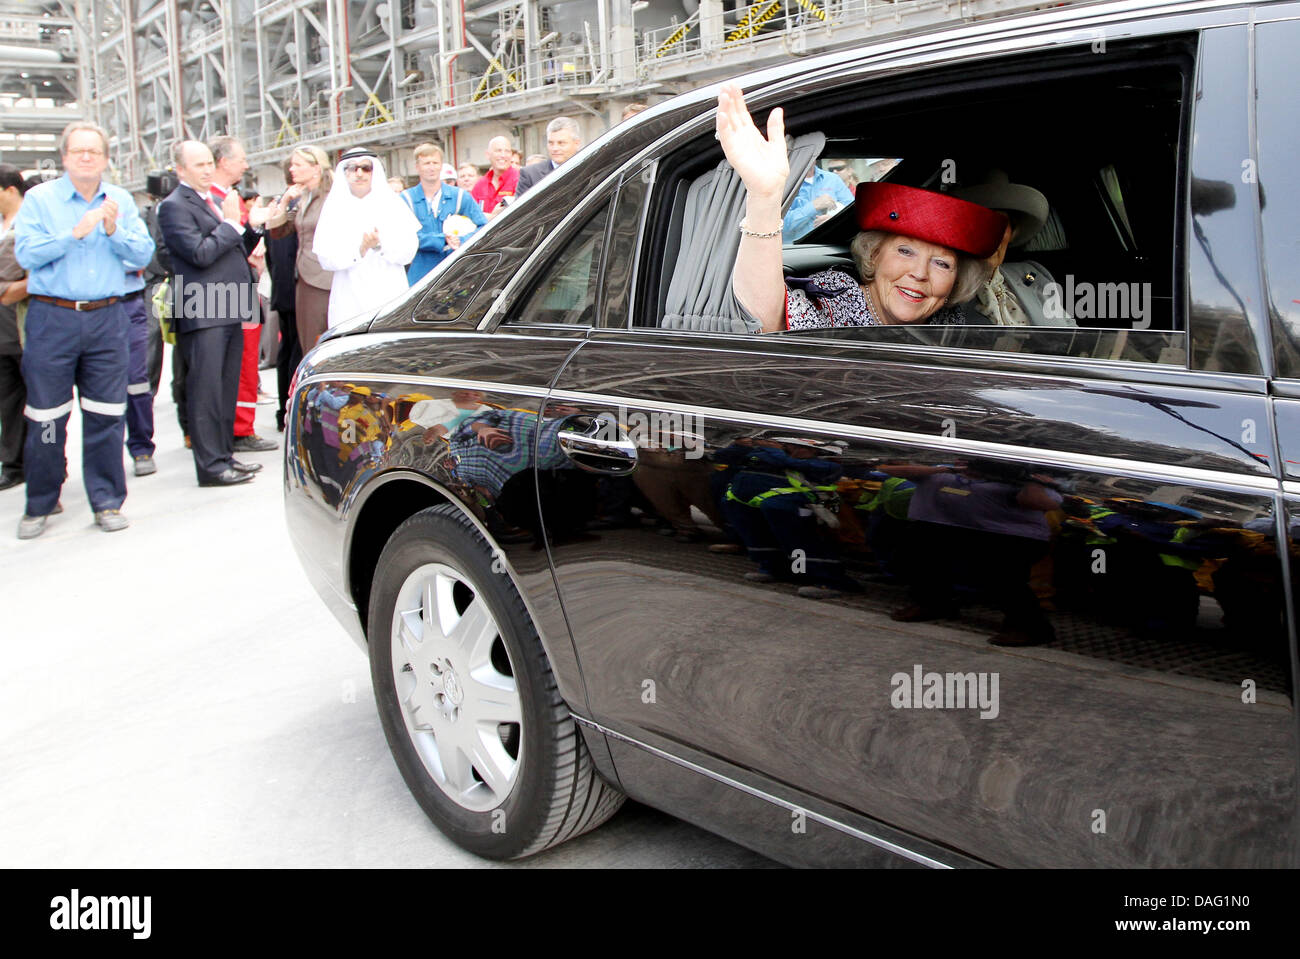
81,306
132,296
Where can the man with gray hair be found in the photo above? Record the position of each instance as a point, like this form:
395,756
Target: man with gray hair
77,236
563,140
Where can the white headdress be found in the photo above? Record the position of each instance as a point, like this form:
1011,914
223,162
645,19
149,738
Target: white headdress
345,218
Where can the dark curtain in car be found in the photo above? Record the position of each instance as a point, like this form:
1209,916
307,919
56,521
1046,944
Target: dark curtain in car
699,293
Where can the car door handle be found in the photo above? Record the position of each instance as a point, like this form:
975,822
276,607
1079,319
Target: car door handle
599,445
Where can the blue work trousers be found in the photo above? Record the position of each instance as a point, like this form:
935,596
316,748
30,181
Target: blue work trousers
67,348
779,525
139,391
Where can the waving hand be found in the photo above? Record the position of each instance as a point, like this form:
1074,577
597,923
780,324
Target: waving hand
761,162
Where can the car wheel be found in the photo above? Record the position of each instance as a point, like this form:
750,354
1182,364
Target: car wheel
467,699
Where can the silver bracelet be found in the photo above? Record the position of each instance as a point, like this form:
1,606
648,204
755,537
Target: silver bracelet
760,236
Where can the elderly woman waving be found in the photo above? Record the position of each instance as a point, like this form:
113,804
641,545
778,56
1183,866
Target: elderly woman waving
918,250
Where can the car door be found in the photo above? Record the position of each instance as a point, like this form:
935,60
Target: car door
1111,491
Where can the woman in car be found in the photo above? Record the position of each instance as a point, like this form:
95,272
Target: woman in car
918,251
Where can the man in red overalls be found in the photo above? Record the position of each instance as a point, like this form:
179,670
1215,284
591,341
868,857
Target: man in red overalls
231,166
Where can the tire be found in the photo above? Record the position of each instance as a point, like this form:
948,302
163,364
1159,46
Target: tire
484,741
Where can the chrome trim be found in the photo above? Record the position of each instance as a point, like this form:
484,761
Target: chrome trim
1135,468
983,361
1291,487
848,830
1138,469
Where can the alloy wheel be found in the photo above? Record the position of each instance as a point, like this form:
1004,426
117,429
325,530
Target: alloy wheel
456,687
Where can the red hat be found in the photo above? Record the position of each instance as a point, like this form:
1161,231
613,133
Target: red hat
933,217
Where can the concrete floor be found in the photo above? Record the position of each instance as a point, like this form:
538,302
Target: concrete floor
175,695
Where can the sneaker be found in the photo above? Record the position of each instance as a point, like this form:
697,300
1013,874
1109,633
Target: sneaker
110,520
254,444
30,527
144,465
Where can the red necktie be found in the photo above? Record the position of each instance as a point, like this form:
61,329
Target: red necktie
242,217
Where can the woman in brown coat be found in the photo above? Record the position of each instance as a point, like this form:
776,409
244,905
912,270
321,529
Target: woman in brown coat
299,208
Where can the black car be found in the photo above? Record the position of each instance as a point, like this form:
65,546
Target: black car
943,594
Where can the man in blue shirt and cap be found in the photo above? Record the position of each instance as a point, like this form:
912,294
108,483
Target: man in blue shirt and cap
77,236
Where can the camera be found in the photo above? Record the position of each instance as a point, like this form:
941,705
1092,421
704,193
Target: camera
161,182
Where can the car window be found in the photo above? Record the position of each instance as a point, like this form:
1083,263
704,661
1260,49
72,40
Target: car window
568,291
828,189
620,259
1112,194
1099,253
455,289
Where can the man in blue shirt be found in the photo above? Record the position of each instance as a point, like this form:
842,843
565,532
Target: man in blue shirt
820,194
433,201
77,236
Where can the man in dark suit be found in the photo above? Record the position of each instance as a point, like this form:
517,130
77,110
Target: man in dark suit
213,296
563,140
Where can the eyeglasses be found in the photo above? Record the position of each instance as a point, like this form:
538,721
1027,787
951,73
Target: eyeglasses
839,168
358,168
86,152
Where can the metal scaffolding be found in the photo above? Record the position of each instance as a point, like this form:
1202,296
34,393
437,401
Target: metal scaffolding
392,72
38,82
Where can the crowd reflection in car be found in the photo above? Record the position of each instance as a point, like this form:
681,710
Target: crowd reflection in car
928,541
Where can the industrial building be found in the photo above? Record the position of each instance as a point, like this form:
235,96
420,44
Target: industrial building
391,73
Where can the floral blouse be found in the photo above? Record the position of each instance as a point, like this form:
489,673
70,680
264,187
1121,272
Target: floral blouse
834,298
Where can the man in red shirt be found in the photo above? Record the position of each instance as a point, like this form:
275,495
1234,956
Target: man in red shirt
497,187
